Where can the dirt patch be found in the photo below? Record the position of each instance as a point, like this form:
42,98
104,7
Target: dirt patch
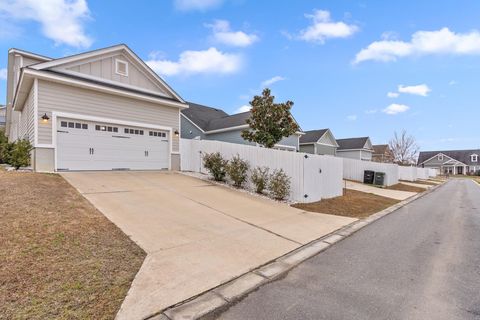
427,183
404,187
60,257
353,203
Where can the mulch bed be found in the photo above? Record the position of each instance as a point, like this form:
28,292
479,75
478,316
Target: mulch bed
353,204
60,257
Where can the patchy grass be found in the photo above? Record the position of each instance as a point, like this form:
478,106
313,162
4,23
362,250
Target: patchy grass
425,182
60,257
354,204
404,187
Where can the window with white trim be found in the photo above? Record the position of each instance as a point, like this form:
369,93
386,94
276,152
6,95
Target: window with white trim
474,157
121,67
440,157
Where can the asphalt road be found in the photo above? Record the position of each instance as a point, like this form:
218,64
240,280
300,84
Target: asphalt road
421,262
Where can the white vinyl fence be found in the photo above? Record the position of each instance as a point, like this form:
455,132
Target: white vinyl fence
407,173
433,172
423,173
313,177
354,170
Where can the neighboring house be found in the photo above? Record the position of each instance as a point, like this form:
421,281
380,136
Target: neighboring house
355,148
99,110
319,142
382,153
3,111
452,162
206,123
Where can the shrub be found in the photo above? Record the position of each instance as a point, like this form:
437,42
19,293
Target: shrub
20,154
237,169
4,146
279,184
260,178
216,165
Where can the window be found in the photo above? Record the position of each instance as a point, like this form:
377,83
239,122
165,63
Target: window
64,124
474,157
440,157
71,124
133,131
76,125
106,128
84,126
157,134
121,67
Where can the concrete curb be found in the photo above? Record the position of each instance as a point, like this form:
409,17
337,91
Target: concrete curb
219,297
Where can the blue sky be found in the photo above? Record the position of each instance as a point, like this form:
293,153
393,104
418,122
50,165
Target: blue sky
358,67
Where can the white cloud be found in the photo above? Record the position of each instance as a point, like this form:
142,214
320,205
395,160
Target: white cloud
195,62
442,41
324,28
395,108
352,117
271,81
243,108
3,74
60,20
223,34
200,5
393,94
419,90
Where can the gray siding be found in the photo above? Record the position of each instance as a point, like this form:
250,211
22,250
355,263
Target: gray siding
234,136
104,68
349,154
307,148
26,125
366,155
189,131
327,150
63,98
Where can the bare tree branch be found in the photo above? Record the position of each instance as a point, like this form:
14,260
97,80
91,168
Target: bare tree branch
404,148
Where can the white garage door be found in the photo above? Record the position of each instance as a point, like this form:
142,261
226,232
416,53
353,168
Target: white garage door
86,145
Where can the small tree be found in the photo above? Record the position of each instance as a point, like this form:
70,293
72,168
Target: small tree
404,148
279,184
269,122
216,165
20,154
260,178
237,169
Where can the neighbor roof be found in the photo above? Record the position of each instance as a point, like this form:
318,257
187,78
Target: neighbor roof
460,155
380,148
352,143
312,136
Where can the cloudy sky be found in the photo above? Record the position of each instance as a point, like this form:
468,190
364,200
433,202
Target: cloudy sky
358,67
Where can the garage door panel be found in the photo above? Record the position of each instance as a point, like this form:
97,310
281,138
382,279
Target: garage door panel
95,146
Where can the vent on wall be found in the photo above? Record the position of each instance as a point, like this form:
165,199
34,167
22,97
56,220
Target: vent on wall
121,67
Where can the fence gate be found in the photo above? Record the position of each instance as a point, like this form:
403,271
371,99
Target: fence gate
312,178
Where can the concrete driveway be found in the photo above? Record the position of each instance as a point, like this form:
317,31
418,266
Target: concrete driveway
197,235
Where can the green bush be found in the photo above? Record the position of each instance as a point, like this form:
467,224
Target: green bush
3,146
279,184
237,170
216,165
260,178
20,154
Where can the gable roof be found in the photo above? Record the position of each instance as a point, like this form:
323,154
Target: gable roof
53,63
312,136
463,156
210,119
380,148
352,143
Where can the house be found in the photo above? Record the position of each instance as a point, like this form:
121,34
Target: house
207,123
319,142
100,110
382,153
3,110
451,162
355,148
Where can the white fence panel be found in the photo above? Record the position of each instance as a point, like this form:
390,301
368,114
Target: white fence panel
423,173
354,170
433,172
313,177
407,173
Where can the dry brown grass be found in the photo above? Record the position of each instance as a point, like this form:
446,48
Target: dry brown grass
428,183
60,257
354,204
404,187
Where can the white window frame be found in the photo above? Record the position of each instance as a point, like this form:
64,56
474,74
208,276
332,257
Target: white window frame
440,157
117,62
474,157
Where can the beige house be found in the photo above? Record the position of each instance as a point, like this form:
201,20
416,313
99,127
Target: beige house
99,110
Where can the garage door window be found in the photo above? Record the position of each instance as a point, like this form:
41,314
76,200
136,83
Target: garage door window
74,125
106,128
133,131
158,134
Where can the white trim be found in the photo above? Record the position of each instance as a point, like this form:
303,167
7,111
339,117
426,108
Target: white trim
283,146
119,84
56,115
73,82
29,54
35,112
243,126
93,53
435,156
191,122
367,150
119,61
472,157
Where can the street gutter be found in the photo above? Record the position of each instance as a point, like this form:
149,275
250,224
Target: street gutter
231,292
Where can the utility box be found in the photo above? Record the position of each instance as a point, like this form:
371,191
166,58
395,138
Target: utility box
368,176
379,178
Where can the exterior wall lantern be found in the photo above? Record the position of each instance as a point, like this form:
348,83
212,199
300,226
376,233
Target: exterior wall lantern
176,133
45,118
